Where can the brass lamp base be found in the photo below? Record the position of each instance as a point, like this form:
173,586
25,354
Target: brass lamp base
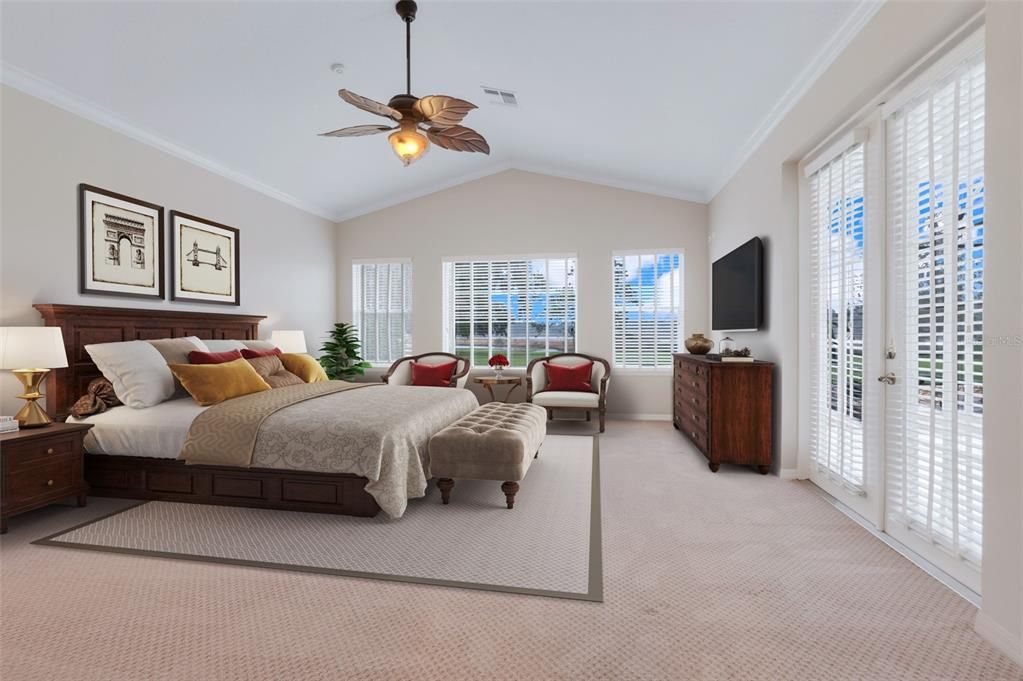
31,415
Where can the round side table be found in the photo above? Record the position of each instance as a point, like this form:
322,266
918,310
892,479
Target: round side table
489,382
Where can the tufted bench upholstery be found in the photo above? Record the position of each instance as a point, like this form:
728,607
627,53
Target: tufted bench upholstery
498,441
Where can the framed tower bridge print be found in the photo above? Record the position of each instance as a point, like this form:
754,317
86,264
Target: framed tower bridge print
120,244
204,261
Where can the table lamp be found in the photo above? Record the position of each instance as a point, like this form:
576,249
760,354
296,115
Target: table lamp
30,352
289,341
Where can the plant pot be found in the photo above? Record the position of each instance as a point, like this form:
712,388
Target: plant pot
698,344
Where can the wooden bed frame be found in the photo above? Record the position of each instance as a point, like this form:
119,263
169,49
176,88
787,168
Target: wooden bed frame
136,477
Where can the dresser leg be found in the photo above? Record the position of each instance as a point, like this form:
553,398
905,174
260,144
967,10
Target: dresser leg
763,470
3,525
82,500
713,466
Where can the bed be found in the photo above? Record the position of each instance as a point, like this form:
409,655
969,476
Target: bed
352,452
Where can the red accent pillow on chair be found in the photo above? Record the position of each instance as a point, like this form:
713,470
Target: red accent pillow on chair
574,378
200,357
436,375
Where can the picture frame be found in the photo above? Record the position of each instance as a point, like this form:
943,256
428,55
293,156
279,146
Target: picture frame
120,245
204,262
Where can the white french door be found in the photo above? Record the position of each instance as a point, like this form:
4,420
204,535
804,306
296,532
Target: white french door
935,407
845,254
896,310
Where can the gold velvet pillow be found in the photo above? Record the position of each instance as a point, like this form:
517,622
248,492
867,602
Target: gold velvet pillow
213,383
304,366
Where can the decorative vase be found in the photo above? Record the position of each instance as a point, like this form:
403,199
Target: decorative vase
698,344
499,371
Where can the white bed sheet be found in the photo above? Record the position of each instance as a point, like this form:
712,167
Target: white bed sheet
156,432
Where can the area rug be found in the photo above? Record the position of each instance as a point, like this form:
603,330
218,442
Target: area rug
548,545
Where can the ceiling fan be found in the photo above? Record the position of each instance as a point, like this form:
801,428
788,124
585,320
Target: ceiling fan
439,116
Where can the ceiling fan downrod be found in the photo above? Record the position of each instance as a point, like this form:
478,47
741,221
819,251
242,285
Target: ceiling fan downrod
406,9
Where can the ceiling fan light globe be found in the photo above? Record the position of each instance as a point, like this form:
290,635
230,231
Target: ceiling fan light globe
408,144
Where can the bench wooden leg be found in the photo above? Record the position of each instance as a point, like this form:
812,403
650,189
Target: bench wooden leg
445,485
588,414
602,420
510,489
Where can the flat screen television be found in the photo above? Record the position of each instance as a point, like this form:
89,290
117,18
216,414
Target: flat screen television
738,289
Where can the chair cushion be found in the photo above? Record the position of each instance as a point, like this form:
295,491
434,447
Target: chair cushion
569,378
436,375
566,398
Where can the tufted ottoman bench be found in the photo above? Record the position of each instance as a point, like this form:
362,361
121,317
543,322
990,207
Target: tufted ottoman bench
498,441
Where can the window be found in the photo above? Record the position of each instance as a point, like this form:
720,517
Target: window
647,301
520,307
935,171
836,301
382,308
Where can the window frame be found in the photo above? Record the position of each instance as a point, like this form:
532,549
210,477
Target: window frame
681,253
357,305
447,336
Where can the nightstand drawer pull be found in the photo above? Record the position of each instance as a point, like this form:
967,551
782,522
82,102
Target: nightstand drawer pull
50,450
49,483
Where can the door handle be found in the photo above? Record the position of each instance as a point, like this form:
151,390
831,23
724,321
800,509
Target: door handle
887,379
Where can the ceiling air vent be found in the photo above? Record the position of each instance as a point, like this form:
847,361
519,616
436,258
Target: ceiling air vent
498,96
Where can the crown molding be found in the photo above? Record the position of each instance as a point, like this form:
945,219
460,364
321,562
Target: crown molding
32,85
815,68
500,167
682,194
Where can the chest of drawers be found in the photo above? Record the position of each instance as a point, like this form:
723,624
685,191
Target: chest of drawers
725,409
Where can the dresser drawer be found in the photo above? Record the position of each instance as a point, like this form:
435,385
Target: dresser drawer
56,477
698,369
694,433
28,455
691,415
691,384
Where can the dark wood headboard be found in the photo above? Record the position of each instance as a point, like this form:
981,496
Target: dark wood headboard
82,325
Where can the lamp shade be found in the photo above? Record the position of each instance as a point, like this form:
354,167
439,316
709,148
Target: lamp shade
289,341
32,347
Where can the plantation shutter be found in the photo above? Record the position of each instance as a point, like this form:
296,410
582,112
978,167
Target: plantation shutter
647,309
522,308
836,300
382,308
935,170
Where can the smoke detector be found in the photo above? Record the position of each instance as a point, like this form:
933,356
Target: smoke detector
338,68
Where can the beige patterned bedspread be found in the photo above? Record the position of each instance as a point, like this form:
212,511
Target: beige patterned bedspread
380,432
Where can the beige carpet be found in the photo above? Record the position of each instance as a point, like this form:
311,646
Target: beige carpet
548,545
727,576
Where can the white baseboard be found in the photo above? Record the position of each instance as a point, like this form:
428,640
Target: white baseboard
997,635
636,416
791,474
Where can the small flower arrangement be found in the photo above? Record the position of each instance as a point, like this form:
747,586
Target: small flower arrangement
498,363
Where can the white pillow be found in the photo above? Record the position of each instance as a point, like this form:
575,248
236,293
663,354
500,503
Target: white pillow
224,345
259,345
136,370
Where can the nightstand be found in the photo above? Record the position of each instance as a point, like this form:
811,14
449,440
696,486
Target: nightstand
39,466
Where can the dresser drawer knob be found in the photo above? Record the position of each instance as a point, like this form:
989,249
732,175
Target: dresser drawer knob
50,450
694,434
49,483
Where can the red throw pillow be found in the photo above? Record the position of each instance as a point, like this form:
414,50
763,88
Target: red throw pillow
574,379
200,357
248,353
437,375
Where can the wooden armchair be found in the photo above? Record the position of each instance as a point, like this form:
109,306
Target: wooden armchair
537,393
400,372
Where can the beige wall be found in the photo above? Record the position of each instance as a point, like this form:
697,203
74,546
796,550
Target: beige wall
287,265
520,213
762,200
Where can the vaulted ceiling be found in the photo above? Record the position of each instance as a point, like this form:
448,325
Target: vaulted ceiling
663,97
